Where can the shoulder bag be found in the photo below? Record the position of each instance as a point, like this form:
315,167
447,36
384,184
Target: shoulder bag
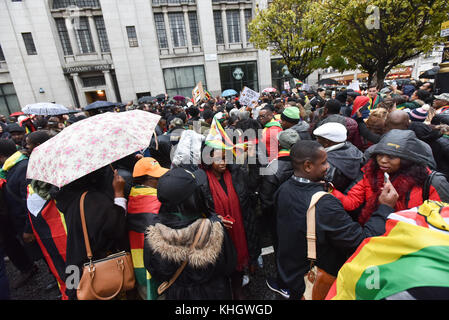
104,279
318,282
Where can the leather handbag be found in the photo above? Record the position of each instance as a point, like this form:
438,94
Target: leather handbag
318,282
105,278
199,236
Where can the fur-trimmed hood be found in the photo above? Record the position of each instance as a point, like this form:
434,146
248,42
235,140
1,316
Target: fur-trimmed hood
174,244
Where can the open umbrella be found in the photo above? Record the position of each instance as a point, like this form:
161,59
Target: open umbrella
45,109
146,99
269,90
229,92
99,105
17,114
161,97
91,144
327,81
430,74
179,98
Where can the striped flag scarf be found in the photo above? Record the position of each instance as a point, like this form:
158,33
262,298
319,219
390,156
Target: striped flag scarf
142,203
414,252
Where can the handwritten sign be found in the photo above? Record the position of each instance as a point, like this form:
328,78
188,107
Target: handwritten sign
248,97
198,93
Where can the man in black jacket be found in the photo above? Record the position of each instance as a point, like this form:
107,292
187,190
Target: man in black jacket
337,235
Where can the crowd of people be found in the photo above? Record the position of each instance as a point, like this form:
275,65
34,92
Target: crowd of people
373,153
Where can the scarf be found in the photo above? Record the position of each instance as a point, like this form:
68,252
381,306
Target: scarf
229,204
402,183
11,162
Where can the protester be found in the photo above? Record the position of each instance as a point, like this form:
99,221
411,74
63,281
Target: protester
290,118
228,193
441,102
13,188
171,234
271,129
344,158
142,204
399,154
337,235
17,134
374,96
105,218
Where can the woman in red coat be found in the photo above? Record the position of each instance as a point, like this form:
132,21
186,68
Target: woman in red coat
400,155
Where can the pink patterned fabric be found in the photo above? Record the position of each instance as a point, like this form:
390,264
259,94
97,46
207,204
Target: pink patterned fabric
91,144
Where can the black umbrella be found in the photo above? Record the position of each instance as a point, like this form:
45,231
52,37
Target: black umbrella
161,97
146,99
99,105
430,74
327,81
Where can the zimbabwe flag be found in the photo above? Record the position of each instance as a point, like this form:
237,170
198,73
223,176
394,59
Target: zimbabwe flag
142,205
50,230
413,252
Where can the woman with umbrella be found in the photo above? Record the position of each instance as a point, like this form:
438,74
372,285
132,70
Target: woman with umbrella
105,218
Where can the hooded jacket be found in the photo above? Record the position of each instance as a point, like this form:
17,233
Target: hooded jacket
345,164
437,142
302,128
167,246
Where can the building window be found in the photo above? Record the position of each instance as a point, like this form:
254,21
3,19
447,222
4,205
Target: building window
29,43
238,75
94,81
194,31
181,81
164,2
160,30
2,56
218,27
64,36
132,36
178,29
248,17
84,37
8,99
59,4
233,21
102,35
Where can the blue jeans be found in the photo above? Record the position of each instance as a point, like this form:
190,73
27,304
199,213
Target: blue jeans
4,283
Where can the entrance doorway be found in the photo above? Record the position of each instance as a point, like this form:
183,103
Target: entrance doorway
92,96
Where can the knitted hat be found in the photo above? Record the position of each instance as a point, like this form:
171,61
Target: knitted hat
291,114
419,114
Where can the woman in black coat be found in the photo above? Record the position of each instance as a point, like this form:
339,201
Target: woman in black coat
105,218
170,235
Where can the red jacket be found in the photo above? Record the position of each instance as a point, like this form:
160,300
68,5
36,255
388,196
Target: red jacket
363,193
270,134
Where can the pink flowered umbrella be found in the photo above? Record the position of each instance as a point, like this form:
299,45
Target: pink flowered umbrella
91,144
269,90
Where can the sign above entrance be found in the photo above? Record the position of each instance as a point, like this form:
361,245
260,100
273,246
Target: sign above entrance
238,74
90,68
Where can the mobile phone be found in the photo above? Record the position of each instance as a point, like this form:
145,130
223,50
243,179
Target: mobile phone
386,177
228,218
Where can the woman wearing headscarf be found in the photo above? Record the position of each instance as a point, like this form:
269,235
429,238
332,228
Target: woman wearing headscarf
399,154
169,239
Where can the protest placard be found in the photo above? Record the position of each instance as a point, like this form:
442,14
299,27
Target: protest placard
248,97
198,93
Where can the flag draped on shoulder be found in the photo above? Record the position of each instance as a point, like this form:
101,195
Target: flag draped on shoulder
50,229
413,252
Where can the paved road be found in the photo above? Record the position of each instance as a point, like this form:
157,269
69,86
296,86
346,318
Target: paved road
35,289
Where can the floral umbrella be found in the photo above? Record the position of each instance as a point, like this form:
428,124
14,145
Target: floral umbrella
91,144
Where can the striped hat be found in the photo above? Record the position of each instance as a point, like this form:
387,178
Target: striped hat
419,114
